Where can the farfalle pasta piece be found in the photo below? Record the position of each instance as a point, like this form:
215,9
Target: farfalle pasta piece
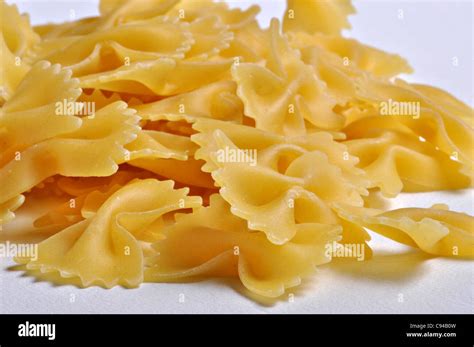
327,17
105,249
434,230
434,122
113,14
272,181
83,197
346,81
353,52
285,95
92,150
16,39
238,40
110,49
365,57
124,11
213,242
163,76
343,82
395,160
216,100
27,109
209,23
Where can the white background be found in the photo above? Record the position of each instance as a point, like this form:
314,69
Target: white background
431,35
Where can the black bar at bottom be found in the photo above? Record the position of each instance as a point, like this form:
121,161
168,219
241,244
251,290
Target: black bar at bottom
338,330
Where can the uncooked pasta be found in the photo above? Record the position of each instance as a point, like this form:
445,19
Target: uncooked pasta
165,141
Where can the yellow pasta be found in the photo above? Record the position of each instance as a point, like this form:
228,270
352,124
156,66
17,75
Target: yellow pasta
248,43
113,232
435,230
284,97
16,38
352,52
172,140
435,123
27,110
8,207
394,160
210,36
212,241
328,17
82,198
216,100
280,189
109,49
163,76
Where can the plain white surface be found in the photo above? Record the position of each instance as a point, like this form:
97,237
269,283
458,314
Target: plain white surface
397,280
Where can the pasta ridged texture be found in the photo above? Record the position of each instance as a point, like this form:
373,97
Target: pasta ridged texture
281,189
171,140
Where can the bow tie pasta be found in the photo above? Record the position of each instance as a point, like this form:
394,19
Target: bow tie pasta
170,140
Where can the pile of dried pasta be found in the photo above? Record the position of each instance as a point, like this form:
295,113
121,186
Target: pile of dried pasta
167,140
